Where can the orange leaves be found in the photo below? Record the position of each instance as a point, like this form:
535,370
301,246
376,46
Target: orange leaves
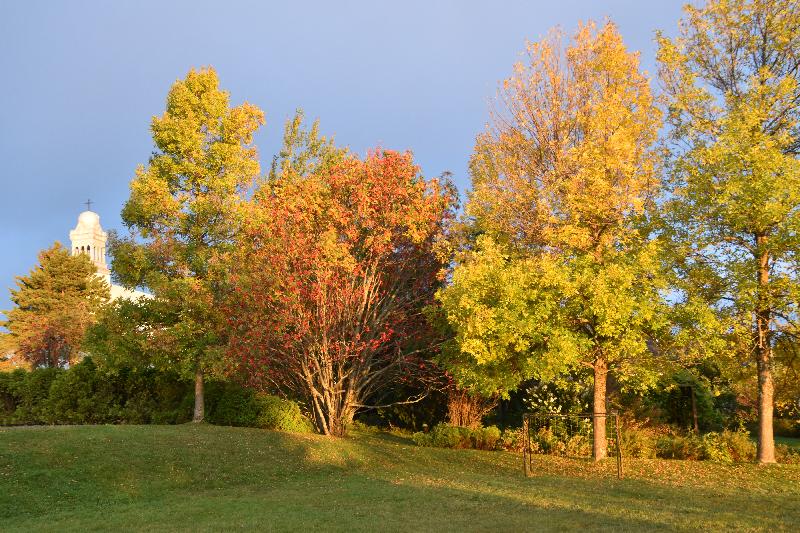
333,270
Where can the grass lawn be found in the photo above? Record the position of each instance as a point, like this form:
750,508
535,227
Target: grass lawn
196,478
788,441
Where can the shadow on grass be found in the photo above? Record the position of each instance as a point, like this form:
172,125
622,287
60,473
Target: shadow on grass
207,477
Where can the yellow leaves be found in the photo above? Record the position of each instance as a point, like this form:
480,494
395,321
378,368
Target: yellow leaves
570,156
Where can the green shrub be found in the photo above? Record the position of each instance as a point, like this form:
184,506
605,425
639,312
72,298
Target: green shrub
32,396
671,446
486,438
279,414
512,439
11,384
548,441
787,454
715,448
448,436
728,447
86,394
422,439
740,446
786,427
578,445
640,443
232,406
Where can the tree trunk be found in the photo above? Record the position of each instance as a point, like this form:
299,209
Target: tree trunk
199,397
332,419
599,443
766,386
694,413
467,410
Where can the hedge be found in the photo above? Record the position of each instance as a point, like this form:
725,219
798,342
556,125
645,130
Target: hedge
85,394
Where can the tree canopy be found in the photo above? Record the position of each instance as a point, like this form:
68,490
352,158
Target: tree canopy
731,83
333,270
563,272
184,209
53,306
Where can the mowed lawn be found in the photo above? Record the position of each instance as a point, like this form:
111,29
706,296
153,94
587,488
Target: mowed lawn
196,478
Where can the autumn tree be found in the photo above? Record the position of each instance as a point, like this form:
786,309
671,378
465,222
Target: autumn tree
184,209
731,81
561,272
53,306
333,270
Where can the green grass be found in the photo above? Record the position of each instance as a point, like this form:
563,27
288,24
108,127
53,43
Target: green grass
200,478
788,441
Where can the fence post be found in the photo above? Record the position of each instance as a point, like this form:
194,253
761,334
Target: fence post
526,445
619,446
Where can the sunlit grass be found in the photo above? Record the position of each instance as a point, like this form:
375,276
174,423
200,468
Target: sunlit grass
210,478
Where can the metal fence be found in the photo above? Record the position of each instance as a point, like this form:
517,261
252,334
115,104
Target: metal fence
568,435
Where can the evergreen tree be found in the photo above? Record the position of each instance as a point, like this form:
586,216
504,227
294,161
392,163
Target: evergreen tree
53,306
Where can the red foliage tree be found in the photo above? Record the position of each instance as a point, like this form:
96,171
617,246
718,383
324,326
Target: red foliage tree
331,276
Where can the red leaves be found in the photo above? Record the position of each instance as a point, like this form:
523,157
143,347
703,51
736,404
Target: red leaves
332,272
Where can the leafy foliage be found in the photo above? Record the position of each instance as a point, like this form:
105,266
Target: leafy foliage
53,306
184,210
562,272
449,436
733,210
331,273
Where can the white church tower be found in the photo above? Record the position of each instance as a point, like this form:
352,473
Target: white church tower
89,238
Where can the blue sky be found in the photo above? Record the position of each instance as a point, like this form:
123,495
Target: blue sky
81,80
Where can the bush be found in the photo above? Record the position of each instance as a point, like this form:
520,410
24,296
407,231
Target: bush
229,405
726,447
640,443
787,455
486,438
447,436
787,427
32,395
279,414
740,446
673,446
512,439
423,439
85,394
715,448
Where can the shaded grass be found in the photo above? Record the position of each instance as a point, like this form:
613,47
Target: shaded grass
788,441
201,478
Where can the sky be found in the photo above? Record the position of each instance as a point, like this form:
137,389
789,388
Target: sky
80,82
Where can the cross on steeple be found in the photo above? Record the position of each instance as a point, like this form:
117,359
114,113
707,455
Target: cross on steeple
88,205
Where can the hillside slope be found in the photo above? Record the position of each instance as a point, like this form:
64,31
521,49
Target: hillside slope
209,478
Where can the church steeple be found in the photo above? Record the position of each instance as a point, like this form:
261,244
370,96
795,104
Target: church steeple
89,238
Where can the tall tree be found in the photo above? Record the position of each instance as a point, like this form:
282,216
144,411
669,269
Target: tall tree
333,271
53,306
731,80
184,209
562,272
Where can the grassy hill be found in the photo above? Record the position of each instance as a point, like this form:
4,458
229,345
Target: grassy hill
209,478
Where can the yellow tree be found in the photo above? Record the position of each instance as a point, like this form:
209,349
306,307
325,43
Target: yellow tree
563,273
184,210
731,80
